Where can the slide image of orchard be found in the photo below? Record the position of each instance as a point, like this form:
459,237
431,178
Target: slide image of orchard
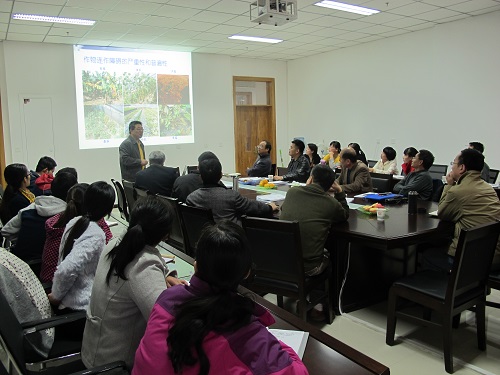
174,107
140,101
103,104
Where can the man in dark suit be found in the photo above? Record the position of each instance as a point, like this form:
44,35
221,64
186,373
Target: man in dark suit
190,182
157,178
132,158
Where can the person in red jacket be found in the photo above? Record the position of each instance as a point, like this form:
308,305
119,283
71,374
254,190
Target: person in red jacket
207,327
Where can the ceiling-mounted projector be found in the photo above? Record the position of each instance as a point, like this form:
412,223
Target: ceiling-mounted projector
273,12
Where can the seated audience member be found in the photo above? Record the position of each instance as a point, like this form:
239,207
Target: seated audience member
130,276
69,170
262,166
27,299
81,246
360,155
54,228
157,178
312,154
355,177
46,166
333,156
468,201
27,228
387,163
485,172
207,327
316,211
298,168
420,180
16,195
408,154
226,204
185,185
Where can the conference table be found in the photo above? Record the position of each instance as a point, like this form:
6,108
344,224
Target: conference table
368,255
323,354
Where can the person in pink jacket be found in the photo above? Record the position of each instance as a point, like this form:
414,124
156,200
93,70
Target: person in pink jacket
206,327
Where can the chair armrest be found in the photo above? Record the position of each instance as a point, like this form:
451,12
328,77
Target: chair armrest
41,324
104,368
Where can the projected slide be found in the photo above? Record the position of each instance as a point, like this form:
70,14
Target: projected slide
115,86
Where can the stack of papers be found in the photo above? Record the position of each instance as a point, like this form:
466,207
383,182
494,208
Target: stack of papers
297,340
273,197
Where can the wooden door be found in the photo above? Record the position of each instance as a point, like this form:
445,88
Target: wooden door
253,123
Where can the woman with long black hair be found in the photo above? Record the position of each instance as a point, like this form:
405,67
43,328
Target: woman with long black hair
81,246
130,276
207,327
16,195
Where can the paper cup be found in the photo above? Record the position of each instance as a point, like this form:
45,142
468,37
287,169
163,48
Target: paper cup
381,213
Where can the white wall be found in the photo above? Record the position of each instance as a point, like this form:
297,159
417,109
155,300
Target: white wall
436,89
33,69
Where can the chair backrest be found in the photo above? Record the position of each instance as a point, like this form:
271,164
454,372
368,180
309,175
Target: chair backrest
381,182
273,169
473,258
130,194
283,262
282,171
141,193
371,163
438,170
437,189
176,237
11,333
193,220
122,200
493,175
191,168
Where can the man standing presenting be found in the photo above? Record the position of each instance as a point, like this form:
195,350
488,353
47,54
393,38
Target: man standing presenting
132,158
468,201
298,168
420,180
157,179
262,166
355,177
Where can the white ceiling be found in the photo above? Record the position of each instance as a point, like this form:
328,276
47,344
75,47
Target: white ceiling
204,25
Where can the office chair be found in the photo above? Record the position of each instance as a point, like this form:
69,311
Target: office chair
449,295
281,270
493,175
193,220
176,236
381,182
130,194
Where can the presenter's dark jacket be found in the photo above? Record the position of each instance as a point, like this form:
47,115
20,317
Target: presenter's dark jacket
357,180
298,170
157,179
130,158
261,167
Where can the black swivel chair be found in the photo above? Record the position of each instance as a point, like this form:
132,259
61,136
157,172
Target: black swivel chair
15,337
141,193
122,200
281,270
381,182
273,169
371,163
193,220
191,169
449,295
176,237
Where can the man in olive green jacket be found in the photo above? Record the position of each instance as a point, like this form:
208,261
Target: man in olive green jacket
467,200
